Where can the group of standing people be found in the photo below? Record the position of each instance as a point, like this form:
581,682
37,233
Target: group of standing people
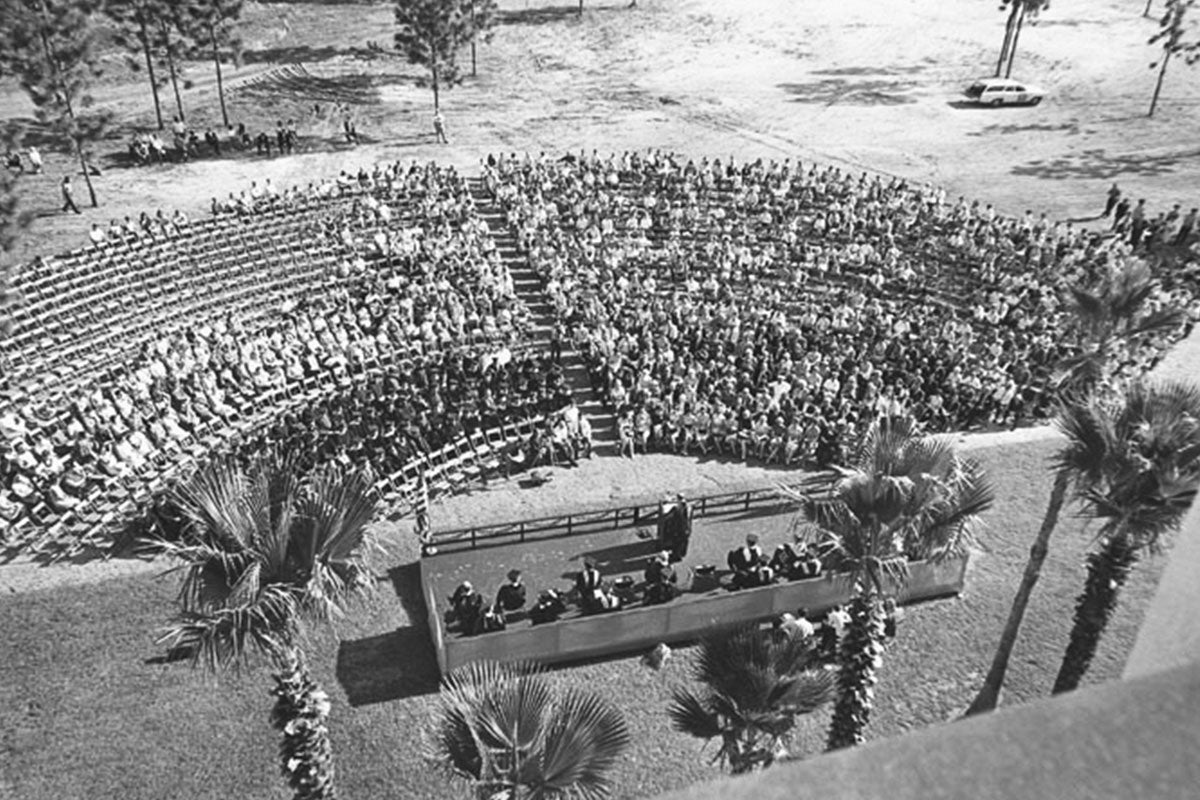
1133,224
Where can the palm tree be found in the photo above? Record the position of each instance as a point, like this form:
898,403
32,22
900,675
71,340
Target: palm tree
262,553
756,686
904,496
300,714
1139,479
504,728
1117,315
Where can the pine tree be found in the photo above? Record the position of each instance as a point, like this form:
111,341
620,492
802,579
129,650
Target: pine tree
13,221
482,15
429,33
1170,37
1018,10
49,46
135,23
211,25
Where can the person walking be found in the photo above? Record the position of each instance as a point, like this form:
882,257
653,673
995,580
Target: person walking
439,127
1114,196
68,195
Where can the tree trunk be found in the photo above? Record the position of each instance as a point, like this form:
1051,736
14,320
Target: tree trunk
989,695
1107,572
433,68
1146,11
56,71
171,69
474,33
1162,71
300,714
87,174
1012,50
212,32
861,651
1009,25
145,36
581,8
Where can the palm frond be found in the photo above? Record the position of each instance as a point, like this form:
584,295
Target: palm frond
225,637
1162,321
807,691
691,715
1089,441
212,507
585,737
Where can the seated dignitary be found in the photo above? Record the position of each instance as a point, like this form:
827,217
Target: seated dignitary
660,580
466,607
749,565
548,608
510,599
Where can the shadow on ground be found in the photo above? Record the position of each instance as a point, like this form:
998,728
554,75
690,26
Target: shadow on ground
306,54
396,664
548,14
862,92
1070,128
1098,163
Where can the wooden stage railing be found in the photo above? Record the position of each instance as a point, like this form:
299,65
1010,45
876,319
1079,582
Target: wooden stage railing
640,512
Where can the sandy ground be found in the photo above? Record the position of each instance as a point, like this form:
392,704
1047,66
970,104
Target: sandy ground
840,83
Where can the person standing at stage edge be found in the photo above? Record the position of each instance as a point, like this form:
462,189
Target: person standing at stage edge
677,528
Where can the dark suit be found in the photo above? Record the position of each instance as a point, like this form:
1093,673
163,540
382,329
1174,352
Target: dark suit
588,586
511,596
660,583
786,561
745,558
745,562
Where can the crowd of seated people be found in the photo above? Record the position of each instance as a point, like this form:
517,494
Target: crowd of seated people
147,147
419,333
194,385
771,310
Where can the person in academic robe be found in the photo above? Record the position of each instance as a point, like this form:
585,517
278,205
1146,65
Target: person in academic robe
660,580
749,565
589,587
511,597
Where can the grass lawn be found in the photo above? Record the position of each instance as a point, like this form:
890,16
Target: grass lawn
86,711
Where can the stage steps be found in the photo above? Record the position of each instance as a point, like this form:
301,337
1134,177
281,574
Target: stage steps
531,289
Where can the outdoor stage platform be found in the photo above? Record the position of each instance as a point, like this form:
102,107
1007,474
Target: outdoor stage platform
620,539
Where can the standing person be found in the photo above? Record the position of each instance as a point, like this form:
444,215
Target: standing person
68,195
35,160
557,336
1114,196
439,127
1119,214
1137,221
1185,228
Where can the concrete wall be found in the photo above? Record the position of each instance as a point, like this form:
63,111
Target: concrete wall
1170,634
